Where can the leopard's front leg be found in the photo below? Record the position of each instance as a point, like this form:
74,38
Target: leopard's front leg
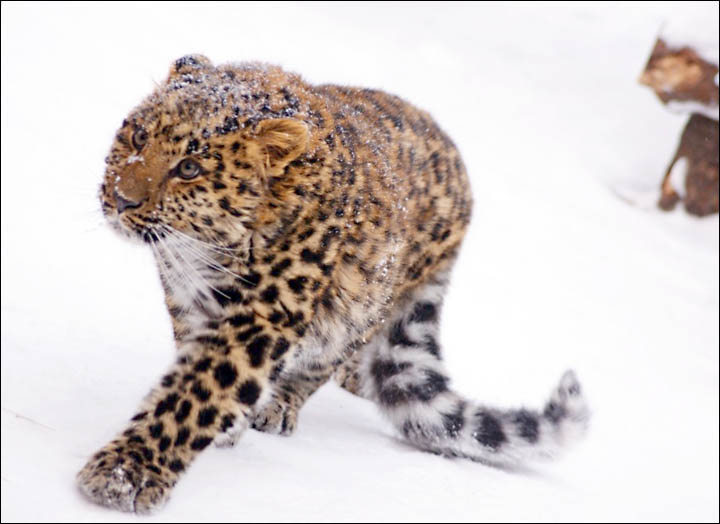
213,386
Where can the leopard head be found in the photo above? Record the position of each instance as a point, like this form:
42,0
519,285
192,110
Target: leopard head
202,155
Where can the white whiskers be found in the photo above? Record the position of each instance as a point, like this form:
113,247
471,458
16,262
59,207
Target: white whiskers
184,261
204,251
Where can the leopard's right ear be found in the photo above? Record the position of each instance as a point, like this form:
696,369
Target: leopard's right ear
189,64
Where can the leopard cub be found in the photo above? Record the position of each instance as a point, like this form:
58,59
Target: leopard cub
300,232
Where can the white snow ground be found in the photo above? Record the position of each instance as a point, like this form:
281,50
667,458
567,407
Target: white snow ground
558,270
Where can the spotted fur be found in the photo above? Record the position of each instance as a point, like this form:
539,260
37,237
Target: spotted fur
300,232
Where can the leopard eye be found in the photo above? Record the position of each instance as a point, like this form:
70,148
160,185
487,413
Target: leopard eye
139,138
188,169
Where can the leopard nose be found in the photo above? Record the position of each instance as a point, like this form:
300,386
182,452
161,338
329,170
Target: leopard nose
123,203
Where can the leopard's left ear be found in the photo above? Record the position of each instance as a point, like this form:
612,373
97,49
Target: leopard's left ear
189,64
278,142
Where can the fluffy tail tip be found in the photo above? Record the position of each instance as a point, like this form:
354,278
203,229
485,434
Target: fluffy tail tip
567,407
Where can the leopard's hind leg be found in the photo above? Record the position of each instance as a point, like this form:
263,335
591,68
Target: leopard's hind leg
400,369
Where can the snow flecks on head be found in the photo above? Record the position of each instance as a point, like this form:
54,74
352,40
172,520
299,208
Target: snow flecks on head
239,86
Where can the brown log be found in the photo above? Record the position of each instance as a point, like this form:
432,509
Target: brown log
699,149
681,74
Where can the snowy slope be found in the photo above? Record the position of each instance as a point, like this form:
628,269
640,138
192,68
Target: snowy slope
558,270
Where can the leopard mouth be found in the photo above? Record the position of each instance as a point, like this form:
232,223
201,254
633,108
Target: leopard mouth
150,237
132,230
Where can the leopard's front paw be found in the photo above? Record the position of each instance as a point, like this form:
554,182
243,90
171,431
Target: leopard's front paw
123,482
230,433
277,418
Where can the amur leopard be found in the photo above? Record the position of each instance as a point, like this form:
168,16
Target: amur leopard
301,233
